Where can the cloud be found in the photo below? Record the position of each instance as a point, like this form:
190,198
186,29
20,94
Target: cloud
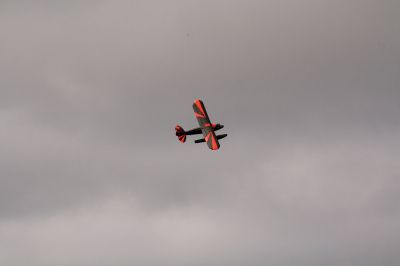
90,169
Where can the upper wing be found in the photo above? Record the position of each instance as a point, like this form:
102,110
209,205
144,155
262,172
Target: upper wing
205,124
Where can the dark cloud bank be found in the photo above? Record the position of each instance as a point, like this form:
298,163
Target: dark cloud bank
91,172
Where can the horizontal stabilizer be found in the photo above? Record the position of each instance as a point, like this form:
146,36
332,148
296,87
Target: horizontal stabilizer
221,136
199,140
180,133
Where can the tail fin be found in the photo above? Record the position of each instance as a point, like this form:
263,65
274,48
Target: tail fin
180,133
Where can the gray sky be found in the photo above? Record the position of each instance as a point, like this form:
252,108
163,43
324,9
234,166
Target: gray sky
92,174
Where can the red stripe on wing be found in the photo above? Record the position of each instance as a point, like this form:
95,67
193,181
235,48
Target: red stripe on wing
208,136
214,145
200,107
199,115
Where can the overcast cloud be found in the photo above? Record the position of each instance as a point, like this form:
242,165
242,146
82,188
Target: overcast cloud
92,174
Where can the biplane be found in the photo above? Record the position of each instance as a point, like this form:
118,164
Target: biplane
206,128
